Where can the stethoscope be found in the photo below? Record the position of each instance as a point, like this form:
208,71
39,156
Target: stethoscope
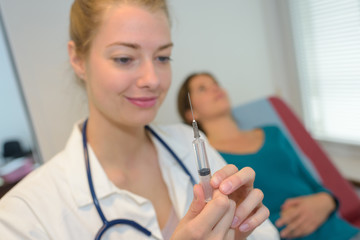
108,224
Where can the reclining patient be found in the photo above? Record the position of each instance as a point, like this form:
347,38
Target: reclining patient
300,207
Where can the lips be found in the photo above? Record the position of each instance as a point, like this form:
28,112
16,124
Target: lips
143,102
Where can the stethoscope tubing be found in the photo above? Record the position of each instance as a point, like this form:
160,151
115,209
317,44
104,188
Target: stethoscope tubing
172,153
108,224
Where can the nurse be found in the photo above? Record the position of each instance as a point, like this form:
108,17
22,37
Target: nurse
116,178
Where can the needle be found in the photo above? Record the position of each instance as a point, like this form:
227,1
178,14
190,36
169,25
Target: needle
194,123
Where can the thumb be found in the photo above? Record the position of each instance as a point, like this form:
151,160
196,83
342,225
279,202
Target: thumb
197,204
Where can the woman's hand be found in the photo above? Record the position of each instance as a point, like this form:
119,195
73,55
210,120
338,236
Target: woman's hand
303,215
210,220
239,186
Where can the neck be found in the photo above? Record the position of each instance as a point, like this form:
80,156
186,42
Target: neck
116,145
220,128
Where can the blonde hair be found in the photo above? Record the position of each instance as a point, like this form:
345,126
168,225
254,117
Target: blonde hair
86,17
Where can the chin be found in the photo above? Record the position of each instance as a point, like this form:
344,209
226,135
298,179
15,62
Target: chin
222,106
145,117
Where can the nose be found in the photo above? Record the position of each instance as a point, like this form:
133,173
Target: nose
148,76
215,87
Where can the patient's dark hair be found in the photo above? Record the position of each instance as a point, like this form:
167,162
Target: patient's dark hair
182,98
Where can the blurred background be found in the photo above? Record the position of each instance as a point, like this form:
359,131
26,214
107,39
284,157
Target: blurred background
306,52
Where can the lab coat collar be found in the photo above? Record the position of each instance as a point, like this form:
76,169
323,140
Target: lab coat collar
177,181
77,177
170,138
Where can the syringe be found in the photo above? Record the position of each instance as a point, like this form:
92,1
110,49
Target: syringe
201,159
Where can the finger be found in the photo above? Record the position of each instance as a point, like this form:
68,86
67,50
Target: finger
297,227
252,222
230,235
197,204
285,233
213,211
222,227
248,205
244,177
287,217
308,227
222,174
288,231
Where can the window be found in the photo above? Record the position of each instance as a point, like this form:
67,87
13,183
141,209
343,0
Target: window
327,45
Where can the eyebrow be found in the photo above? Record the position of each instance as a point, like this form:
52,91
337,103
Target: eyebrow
136,46
166,46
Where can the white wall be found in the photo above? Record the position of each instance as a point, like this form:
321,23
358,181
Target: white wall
14,120
237,40
38,36
226,38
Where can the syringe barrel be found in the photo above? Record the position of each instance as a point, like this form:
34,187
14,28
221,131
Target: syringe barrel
203,167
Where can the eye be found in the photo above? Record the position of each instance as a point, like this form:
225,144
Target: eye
201,88
122,60
164,59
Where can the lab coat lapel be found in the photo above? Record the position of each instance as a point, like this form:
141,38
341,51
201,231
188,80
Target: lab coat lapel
177,181
76,172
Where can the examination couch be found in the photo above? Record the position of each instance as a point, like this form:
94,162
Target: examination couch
274,111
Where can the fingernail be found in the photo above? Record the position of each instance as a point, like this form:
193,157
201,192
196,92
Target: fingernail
226,187
235,222
244,227
216,181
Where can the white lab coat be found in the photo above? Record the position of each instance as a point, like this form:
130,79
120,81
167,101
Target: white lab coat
54,201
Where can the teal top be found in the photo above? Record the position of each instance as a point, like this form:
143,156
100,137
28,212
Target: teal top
280,174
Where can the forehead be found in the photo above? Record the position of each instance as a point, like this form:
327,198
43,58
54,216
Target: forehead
200,80
132,23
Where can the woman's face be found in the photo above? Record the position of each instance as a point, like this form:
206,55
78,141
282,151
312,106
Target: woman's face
128,70
208,99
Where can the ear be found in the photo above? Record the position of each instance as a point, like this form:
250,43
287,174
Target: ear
77,62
